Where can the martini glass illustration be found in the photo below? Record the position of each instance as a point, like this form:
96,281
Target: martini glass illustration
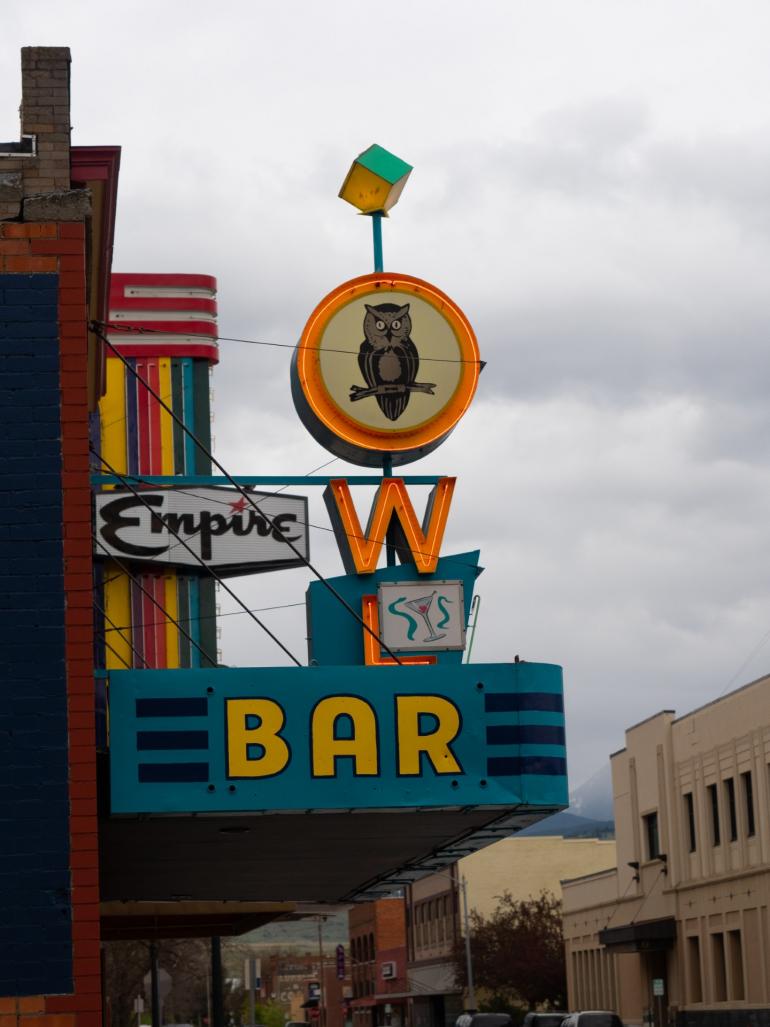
422,607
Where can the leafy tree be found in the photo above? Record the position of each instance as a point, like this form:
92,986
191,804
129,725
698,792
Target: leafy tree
518,953
268,1013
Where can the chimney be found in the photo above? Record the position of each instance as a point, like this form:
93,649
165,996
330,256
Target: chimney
35,172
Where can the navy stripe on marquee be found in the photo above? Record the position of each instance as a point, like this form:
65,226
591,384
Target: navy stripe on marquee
514,766
161,773
525,734
512,702
172,707
168,740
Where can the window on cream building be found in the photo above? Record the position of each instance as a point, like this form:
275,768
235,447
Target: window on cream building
651,835
689,813
748,799
732,815
694,974
716,838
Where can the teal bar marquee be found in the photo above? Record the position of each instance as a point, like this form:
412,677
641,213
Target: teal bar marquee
319,739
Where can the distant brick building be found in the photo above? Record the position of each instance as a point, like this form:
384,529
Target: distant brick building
378,958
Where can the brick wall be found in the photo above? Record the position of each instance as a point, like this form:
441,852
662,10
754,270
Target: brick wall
49,961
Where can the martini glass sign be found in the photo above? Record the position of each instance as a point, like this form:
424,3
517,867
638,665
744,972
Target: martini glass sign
422,608
413,619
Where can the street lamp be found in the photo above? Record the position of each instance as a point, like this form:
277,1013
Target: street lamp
467,929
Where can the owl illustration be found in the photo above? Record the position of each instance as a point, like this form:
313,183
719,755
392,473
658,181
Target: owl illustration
388,358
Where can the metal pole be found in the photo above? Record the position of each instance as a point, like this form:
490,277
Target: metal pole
252,989
377,239
321,1009
468,960
387,472
217,998
154,986
475,604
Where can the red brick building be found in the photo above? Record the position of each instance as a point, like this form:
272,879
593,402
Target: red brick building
378,960
57,207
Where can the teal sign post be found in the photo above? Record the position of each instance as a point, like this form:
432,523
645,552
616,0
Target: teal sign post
332,738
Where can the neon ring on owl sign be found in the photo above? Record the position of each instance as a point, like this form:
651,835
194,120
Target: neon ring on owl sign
387,365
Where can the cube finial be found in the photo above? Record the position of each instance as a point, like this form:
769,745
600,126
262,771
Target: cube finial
375,180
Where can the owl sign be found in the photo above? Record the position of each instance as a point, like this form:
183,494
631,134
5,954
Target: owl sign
386,366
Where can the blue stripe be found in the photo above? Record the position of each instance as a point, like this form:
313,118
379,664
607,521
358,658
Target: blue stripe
151,740
132,437
161,773
511,702
188,413
515,766
521,734
172,707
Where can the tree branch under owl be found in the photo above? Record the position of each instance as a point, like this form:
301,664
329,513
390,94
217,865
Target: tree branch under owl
358,392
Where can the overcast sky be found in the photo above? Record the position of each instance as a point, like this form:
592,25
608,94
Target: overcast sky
591,186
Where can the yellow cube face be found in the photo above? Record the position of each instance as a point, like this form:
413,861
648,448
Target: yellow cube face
366,191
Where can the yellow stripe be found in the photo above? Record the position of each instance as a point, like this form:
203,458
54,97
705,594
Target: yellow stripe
166,423
112,408
117,606
172,632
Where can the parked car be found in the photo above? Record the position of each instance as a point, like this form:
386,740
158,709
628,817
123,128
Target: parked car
592,1018
483,1020
552,1019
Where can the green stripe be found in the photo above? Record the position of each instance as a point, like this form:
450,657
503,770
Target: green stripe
208,623
202,406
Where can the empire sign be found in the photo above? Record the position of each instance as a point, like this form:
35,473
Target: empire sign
220,527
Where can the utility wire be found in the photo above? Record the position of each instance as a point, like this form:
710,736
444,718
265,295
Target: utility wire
96,327
662,871
128,640
136,330
114,651
155,603
213,573
208,616
617,904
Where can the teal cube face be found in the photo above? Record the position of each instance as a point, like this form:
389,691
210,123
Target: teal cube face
385,164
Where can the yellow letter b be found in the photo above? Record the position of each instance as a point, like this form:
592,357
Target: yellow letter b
255,749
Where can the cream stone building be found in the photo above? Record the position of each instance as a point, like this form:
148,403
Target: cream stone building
678,932
525,867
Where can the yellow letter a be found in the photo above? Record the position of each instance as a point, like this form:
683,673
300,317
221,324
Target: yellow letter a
327,747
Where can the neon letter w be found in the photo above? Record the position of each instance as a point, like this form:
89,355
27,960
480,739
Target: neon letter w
393,518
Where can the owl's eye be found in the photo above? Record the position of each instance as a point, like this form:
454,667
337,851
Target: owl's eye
395,324
380,326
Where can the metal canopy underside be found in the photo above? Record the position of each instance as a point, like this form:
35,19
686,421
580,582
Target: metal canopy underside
325,857
154,920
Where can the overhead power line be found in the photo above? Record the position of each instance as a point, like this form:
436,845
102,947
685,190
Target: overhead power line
213,573
137,330
97,327
154,601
